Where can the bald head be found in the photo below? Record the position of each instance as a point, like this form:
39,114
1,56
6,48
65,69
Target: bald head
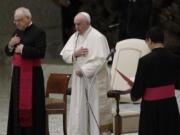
83,16
22,18
22,11
82,22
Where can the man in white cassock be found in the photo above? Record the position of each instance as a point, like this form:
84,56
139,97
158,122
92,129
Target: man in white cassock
87,49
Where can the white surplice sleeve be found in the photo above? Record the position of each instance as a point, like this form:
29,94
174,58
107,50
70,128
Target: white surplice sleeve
98,52
92,66
68,50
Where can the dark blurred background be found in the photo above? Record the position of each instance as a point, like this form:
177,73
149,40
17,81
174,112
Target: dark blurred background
117,19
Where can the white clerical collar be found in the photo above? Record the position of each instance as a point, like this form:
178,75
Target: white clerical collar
28,26
87,31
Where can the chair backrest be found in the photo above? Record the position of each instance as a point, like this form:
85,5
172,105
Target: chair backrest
57,83
126,60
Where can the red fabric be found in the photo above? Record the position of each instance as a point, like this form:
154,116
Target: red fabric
161,92
25,88
130,83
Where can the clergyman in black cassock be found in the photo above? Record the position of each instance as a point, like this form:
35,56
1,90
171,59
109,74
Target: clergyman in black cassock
27,101
155,83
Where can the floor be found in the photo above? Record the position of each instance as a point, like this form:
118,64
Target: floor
55,121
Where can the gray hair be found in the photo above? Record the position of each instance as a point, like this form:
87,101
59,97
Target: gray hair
22,11
86,16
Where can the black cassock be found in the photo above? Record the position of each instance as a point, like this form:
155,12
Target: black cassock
34,41
161,116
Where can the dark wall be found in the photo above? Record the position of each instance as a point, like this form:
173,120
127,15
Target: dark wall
45,14
122,19
112,18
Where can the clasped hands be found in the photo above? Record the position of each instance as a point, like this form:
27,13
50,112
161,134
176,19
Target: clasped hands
78,72
15,43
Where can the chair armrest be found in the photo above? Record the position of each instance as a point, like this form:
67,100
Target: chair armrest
117,93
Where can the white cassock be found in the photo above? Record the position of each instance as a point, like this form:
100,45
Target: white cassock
79,120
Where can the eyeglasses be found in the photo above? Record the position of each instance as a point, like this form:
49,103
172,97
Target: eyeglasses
20,19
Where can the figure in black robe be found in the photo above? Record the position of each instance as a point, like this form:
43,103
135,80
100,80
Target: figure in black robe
156,74
34,41
138,17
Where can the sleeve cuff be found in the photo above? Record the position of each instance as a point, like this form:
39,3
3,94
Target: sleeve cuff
10,48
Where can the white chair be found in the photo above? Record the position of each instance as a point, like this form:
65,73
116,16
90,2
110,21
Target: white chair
126,60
